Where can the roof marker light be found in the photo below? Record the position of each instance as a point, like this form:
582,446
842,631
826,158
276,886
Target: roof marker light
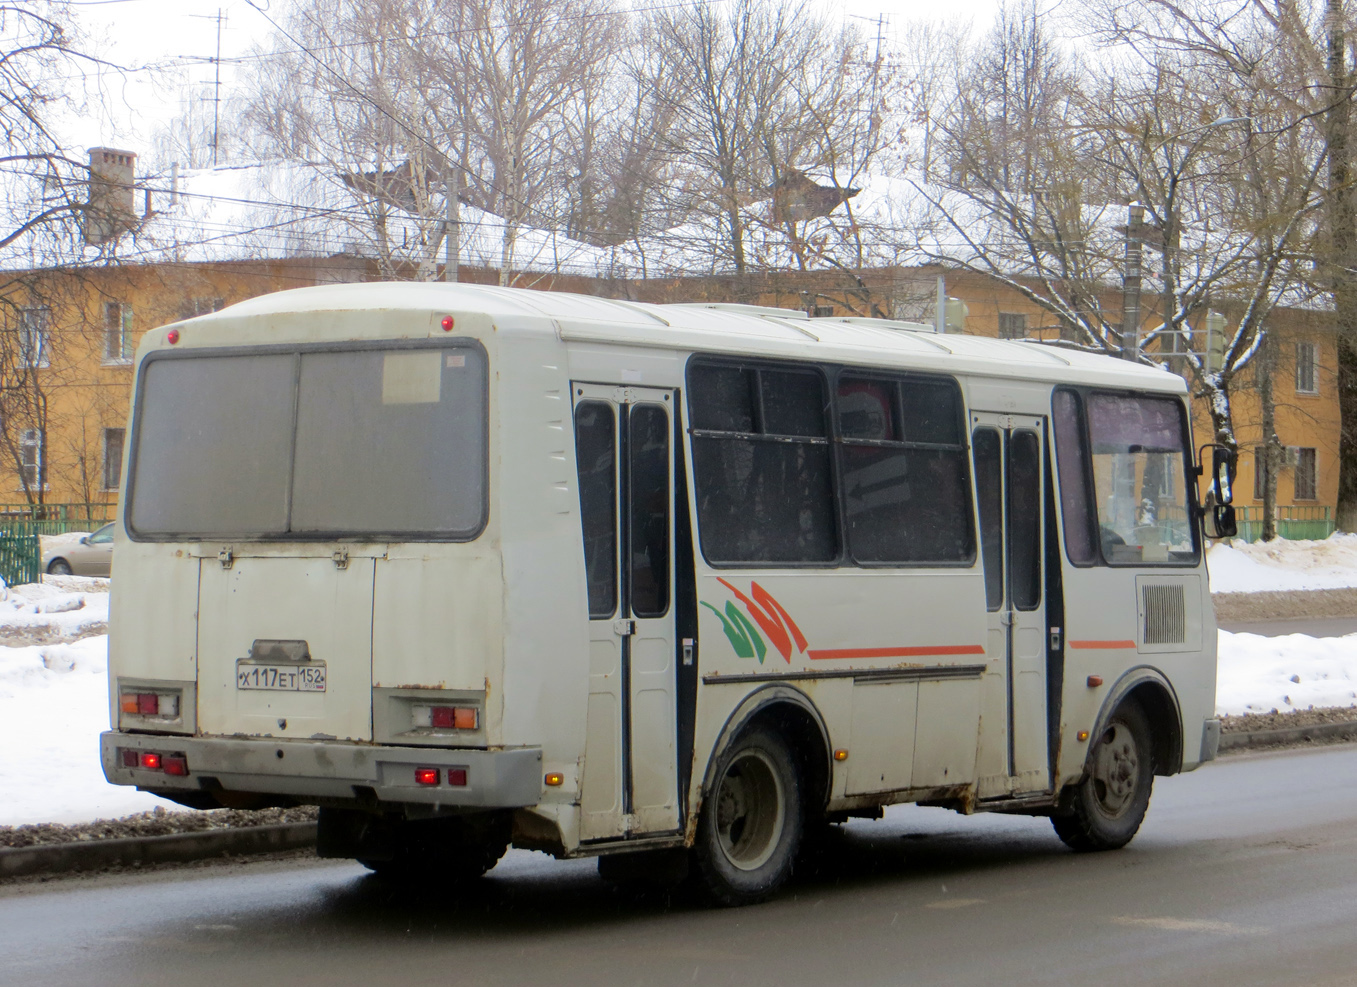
447,323
172,336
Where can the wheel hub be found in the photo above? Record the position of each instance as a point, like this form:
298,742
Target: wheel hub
1116,769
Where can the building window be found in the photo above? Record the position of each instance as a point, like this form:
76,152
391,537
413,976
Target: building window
1307,360
1012,325
34,328
30,454
1306,475
117,332
201,306
113,457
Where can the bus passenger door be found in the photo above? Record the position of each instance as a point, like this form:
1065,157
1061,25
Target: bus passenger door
1009,473
625,459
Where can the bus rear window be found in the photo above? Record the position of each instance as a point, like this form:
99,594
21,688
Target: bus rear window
1140,470
355,443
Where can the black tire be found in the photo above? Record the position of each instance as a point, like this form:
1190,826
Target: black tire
59,567
1109,804
752,820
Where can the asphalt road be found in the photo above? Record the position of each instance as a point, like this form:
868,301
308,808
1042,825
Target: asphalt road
1244,874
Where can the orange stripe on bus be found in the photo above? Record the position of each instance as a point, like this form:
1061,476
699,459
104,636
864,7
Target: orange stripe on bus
941,649
1106,645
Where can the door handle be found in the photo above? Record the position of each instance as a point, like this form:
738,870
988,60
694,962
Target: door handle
688,645
1055,638
1006,618
624,627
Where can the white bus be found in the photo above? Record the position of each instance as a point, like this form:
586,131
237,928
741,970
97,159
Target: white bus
468,567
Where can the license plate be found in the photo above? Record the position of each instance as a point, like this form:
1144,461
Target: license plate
281,678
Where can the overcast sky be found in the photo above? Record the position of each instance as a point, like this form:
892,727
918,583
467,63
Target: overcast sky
183,33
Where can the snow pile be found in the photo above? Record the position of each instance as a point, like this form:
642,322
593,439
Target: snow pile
1284,565
1256,674
53,705
67,609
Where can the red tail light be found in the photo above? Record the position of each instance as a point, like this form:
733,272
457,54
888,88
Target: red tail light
175,764
426,776
150,760
456,776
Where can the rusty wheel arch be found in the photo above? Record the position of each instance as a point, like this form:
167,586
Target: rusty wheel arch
793,714
1148,688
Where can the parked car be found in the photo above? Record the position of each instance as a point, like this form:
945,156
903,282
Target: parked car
92,556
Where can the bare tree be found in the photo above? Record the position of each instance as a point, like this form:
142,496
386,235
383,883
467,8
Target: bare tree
1039,186
1299,55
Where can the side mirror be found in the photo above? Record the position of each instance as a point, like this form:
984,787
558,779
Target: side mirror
1223,461
1219,521
84,539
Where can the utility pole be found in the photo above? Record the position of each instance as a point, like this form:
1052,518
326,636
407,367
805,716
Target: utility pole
1130,283
1270,446
220,18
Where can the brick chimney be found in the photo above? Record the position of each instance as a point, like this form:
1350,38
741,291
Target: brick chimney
111,210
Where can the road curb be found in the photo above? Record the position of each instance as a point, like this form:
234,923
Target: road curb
1245,739
85,855
89,855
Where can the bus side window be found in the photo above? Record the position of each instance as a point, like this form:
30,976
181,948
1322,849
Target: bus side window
905,484
1072,467
595,458
761,462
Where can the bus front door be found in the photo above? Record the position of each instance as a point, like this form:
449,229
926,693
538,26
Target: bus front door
625,459
1009,473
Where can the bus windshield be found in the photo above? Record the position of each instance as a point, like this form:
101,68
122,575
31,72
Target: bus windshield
1140,475
351,443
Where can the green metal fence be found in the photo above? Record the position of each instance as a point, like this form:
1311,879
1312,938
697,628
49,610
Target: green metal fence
53,519
20,558
1295,523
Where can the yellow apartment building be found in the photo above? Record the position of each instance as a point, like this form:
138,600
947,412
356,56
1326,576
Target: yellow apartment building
70,345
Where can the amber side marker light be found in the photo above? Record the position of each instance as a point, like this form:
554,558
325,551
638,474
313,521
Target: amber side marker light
1094,681
1083,735
841,754
554,779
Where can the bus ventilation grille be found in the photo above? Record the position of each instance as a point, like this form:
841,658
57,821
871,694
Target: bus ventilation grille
1165,614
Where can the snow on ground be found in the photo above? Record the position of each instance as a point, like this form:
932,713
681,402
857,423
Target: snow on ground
54,704
1283,565
1256,674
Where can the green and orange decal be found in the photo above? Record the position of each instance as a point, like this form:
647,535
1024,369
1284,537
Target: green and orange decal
766,617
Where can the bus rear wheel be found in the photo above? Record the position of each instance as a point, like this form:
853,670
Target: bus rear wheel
1109,804
751,822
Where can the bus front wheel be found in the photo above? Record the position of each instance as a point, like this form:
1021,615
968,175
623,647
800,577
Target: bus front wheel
1110,803
751,822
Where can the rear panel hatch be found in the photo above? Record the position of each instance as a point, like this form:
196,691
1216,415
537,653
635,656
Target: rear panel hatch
285,646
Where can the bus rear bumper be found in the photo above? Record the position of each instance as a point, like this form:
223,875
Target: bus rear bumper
504,779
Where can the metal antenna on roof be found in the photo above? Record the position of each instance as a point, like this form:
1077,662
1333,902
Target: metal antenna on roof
216,83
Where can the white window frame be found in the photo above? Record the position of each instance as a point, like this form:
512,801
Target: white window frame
1015,320
31,446
117,333
37,319
117,447
1307,368
1302,473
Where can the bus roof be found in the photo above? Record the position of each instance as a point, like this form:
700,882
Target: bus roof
744,330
